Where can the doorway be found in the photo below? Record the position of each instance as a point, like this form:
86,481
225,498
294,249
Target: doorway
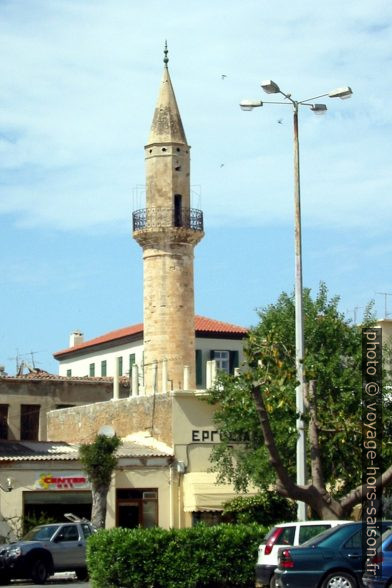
177,210
129,515
137,507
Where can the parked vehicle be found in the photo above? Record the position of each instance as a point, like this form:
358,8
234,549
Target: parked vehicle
47,549
282,535
380,564
331,560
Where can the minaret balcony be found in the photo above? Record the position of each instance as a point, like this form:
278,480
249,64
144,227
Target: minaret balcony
165,218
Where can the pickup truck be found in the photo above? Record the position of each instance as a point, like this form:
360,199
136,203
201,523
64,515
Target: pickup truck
45,550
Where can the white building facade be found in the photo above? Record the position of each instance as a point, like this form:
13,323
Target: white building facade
121,353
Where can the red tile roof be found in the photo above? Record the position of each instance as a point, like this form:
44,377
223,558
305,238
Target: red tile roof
203,327
206,325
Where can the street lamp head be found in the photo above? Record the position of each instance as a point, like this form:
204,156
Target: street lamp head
319,108
342,93
250,104
270,87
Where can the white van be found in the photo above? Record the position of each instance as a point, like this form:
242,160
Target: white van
281,535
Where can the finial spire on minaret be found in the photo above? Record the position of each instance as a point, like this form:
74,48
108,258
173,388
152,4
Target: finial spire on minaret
166,125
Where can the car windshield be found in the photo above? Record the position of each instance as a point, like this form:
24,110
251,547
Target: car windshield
382,538
41,533
386,534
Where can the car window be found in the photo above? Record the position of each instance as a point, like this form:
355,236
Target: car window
69,533
323,538
306,532
355,542
269,534
41,533
87,530
286,537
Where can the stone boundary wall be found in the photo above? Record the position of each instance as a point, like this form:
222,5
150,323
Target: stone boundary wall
129,415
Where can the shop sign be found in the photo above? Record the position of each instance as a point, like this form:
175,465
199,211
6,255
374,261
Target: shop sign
209,436
205,436
54,481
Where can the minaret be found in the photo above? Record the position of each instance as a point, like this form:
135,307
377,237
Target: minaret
168,230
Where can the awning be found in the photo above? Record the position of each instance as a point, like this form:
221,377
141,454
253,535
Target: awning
202,493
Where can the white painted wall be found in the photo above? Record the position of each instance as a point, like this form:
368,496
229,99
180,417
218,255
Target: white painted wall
80,366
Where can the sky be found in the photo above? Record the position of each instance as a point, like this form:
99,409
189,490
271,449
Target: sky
79,83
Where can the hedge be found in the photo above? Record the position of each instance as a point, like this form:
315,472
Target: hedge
221,556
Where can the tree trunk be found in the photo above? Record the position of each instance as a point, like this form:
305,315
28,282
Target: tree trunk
315,494
98,509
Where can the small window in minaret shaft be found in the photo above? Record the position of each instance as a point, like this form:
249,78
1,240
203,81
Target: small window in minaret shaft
177,210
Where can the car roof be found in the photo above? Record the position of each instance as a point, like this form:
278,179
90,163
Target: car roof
337,530
57,524
307,523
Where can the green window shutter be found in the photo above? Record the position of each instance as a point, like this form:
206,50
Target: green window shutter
103,368
234,360
132,361
92,370
199,367
120,366
212,354
69,373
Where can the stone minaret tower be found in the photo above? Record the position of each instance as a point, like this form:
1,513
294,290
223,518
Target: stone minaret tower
168,230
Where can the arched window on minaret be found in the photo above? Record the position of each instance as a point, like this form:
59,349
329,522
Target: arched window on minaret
178,210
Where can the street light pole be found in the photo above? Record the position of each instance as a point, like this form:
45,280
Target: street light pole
299,322
271,87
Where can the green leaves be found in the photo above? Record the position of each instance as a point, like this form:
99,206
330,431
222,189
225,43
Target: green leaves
215,557
98,459
332,358
266,508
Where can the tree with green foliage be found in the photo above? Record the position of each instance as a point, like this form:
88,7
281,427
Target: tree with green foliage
265,508
256,413
99,461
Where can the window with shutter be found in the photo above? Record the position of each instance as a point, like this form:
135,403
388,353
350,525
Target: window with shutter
234,361
222,359
132,361
199,367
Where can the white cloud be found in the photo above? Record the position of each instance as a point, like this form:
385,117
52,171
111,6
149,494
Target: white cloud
79,83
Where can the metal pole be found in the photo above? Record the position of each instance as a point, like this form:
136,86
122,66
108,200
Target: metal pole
299,325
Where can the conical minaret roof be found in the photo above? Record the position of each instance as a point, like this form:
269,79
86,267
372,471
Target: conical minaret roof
166,125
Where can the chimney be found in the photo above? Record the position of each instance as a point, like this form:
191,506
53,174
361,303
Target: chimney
76,338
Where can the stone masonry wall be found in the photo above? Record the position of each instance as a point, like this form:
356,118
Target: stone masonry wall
49,393
126,416
169,330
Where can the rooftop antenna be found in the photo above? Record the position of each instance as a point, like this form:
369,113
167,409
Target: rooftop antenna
17,360
22,363
385,294
34,363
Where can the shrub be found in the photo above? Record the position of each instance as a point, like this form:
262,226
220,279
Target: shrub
266,508
215,557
